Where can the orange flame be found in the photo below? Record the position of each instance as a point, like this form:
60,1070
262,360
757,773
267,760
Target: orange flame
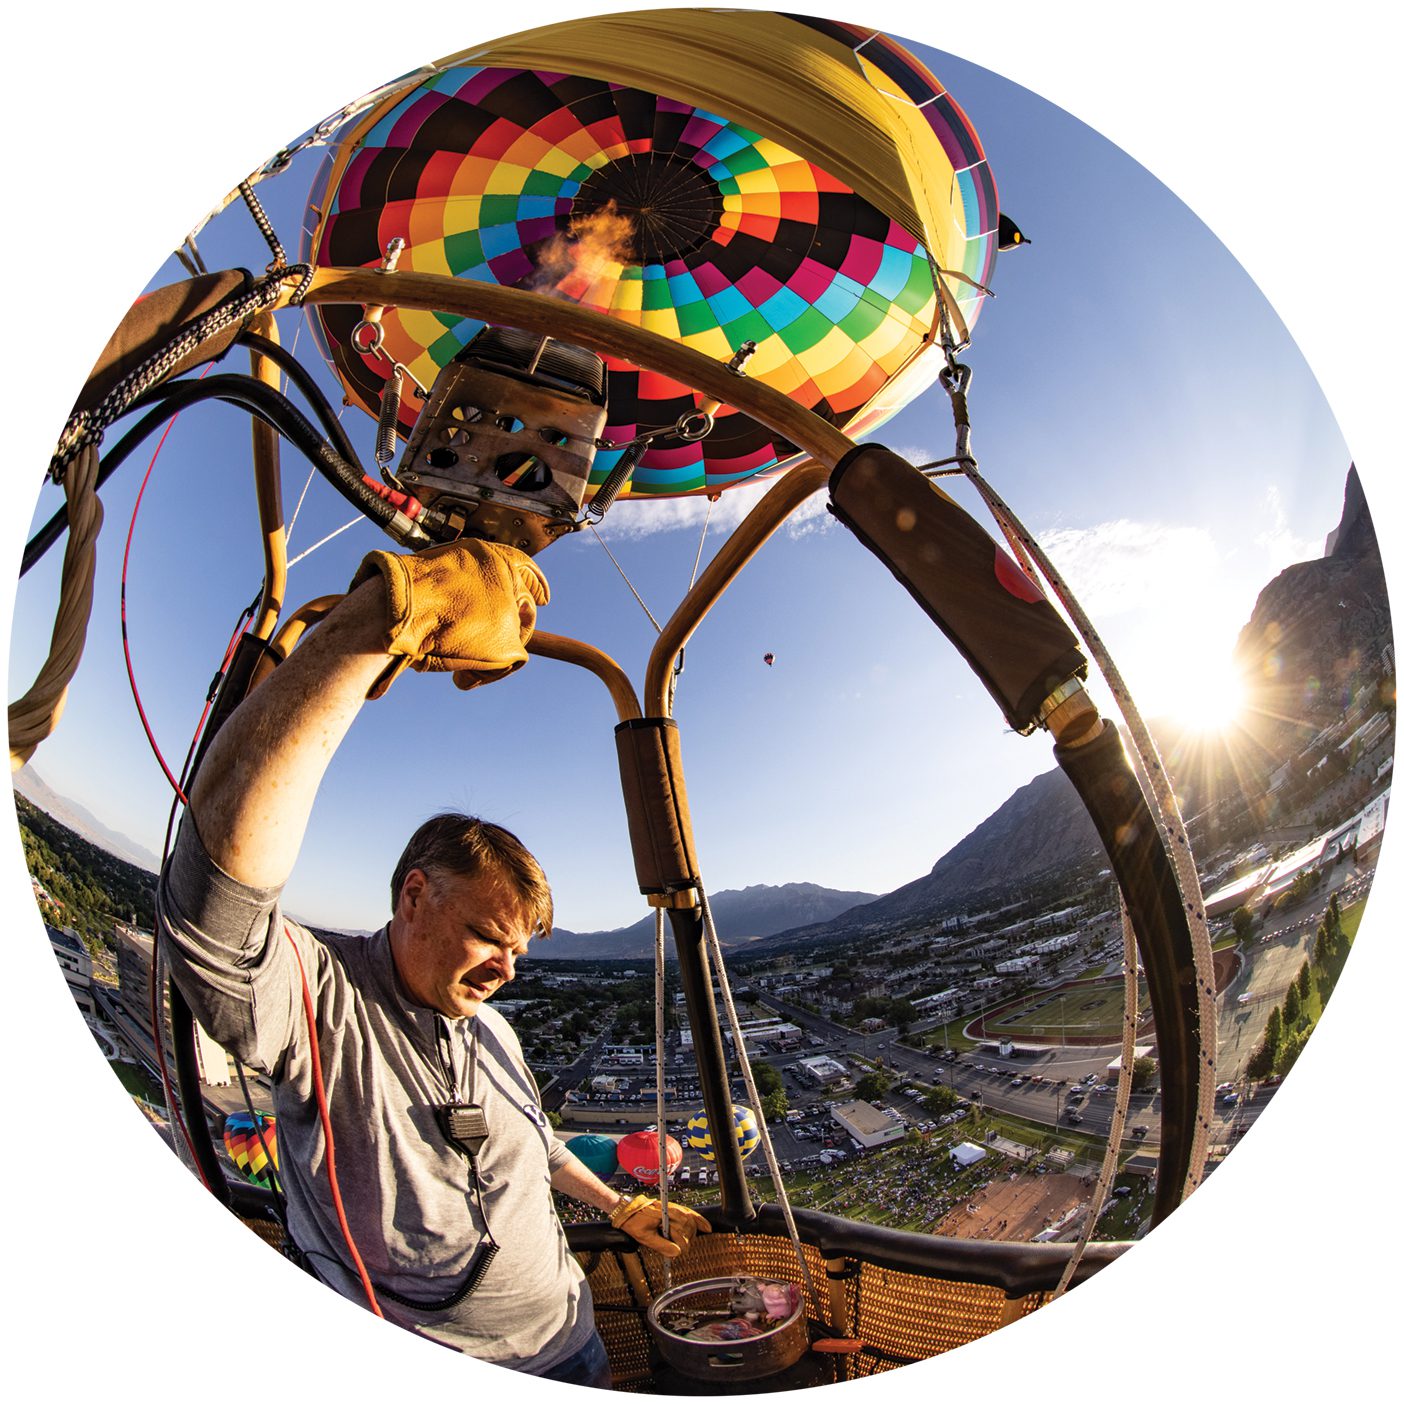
584,263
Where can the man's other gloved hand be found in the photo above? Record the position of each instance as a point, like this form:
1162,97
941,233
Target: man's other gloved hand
466,608
642,1219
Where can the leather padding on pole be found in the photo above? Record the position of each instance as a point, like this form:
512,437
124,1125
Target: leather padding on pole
1102,775
655,800
997,617
155,320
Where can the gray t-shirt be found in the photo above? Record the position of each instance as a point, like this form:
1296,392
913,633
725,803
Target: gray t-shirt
387,1064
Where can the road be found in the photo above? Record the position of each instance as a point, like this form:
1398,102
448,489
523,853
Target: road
1271,963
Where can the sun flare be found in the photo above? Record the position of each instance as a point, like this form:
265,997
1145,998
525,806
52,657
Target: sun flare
1210,704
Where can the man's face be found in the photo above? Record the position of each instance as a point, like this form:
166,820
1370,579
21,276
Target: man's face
456,940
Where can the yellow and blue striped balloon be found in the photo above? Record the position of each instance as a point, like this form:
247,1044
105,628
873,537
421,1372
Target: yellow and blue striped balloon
699,1133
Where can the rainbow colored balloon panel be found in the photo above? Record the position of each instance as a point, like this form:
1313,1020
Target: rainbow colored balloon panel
630,203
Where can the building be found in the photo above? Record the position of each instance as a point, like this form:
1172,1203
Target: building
630,1054
1020,965
824,1070
76,964
933,1001
134,951
1114,1067
1367,839
867,1125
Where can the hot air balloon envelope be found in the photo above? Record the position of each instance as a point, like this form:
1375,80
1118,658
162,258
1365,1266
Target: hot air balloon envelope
597,1153
699,1133
241,1140
638,1156
716,177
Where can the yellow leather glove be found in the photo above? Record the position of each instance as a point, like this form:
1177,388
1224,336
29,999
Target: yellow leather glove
642,1219
466,608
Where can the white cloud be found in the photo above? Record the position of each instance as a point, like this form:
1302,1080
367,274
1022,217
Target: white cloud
1280,544
1120,566
632,519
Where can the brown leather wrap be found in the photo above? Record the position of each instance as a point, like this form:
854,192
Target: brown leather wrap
655,799
1102,775
1016,642
153,321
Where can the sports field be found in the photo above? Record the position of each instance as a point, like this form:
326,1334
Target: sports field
1084,1012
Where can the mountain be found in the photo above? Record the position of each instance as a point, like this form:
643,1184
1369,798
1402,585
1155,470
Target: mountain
1316,653
741,916
73,816
1320,636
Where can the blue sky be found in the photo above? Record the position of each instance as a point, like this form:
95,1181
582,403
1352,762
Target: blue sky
1135,399
1260,115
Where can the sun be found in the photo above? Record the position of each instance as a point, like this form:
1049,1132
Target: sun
1210,704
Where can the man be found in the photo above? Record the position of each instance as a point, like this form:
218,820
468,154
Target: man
443,1159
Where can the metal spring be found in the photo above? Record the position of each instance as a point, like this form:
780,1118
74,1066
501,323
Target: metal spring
389,418
613,485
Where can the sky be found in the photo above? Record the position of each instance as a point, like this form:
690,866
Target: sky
1135,399
1276,126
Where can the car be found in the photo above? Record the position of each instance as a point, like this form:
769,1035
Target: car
1073,1115
1224,1087
1088,1080
1140,1131
1017,1082
1121,1191
1229,1099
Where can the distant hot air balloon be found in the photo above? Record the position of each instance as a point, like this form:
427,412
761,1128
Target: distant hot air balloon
241,1140
699,1132
769,660
597,1153
638,1156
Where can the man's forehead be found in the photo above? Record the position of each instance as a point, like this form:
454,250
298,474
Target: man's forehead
489,899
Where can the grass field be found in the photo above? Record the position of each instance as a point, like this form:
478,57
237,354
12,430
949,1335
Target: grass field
1080,1011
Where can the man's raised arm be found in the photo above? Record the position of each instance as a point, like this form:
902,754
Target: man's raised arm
466,608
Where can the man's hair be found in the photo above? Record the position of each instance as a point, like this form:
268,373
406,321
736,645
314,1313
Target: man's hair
464,846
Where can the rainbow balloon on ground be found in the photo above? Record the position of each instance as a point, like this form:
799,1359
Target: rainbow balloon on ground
241,1140
638,1156
699,1133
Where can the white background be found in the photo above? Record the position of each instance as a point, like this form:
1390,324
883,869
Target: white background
1274,1280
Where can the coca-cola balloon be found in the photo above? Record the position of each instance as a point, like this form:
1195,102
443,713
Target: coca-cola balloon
638,1156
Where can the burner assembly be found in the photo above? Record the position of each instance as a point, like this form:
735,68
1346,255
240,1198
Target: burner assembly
503,447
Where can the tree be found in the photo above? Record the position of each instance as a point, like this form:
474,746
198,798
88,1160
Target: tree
775,1104
1272,1036
1304,983
1292,1007
940,1100
767,1078
872,1085
1143,1072
1242,922
1325,944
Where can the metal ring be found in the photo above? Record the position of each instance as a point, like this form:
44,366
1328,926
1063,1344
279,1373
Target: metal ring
377,337
684,430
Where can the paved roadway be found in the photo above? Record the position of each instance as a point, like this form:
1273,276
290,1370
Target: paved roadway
1271,963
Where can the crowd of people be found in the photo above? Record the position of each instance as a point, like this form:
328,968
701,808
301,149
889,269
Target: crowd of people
911,1185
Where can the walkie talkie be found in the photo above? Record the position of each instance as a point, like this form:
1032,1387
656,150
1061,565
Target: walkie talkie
465,1125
